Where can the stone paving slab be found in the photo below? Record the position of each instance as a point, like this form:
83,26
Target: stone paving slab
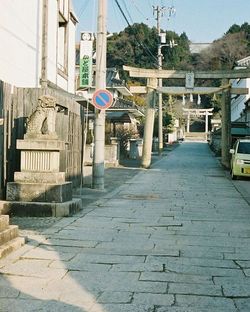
172,238
205,302
176,278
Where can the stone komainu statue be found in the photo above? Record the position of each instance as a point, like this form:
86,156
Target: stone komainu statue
43,119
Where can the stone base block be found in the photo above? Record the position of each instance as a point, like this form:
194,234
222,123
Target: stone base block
42,144
39,177
39,192
13,245
7,235
41,209
4,222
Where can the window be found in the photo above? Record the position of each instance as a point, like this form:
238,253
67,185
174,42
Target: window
64,8
244,148
62,37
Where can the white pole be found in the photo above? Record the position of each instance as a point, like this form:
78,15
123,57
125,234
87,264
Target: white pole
99,131
206,130
159,57
188,123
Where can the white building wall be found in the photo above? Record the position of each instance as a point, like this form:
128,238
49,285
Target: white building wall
52,41
20,37
72,57
238,103
21,44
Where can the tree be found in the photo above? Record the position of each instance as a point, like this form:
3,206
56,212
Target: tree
178,57
224,52
136,45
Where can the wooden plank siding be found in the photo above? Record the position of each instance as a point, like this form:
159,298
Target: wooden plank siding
16,104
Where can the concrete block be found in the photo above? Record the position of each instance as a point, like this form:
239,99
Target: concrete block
4,222
58,192
11,246
68,208
42,209
41,145
40,161
39,177
39,192
8,234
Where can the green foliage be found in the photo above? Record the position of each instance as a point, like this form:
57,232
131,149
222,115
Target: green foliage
130,45
178,57
125,135
137,46
224,52
167,123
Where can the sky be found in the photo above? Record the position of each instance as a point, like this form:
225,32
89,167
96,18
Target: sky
202,20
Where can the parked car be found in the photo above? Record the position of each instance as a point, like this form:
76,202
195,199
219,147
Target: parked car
240,161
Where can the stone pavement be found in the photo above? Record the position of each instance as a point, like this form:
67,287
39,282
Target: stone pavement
173,238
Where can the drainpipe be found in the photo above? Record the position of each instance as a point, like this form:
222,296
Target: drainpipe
44,80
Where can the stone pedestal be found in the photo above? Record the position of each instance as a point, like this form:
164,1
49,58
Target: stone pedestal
40,189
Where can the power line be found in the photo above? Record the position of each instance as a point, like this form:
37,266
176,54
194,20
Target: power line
83,8
124,3
145,48
135,5
118,19
123,14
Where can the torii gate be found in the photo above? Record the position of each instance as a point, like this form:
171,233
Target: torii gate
198,112
153,74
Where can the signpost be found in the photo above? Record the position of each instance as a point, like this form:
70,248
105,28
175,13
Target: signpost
102,99
86,52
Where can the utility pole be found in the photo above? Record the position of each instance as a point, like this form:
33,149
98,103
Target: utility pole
225,126
44,65
99,130
161,39
159,12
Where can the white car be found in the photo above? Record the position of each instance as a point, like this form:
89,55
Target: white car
240,161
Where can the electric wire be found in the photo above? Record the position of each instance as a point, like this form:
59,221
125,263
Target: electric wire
145,48
149,4
140,12
116,15
83,8
125,6
94,10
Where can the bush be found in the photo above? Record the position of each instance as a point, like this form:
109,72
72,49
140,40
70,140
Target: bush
125,135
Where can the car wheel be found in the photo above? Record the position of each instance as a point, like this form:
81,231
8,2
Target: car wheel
234,177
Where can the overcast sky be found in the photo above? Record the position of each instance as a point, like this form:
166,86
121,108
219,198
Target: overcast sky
202,20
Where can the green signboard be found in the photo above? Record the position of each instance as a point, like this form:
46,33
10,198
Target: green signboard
85,71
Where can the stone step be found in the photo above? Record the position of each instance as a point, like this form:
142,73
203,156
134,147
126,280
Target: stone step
4,222
7,235
195,136
11,246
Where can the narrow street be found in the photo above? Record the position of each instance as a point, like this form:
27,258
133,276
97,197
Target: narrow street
173,238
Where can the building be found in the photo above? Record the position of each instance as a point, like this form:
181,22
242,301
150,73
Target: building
37,57
239,103
196,48
240,109
37,43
